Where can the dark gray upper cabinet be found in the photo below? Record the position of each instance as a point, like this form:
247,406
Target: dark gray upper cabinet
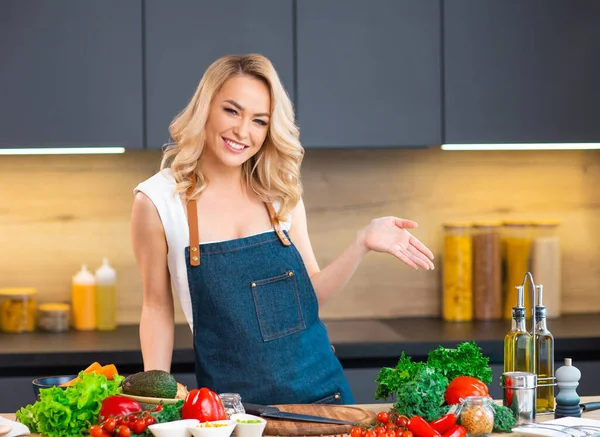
71,73
522,71
369,73
183,37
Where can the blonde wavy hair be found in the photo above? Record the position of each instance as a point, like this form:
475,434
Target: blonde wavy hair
274,172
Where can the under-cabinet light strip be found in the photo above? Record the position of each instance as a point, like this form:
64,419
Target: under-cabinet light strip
523,146
64,151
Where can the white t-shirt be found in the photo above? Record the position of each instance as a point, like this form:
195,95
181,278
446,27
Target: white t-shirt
160,189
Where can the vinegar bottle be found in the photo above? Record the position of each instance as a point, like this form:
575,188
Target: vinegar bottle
83,299
106,297
544,358
517,343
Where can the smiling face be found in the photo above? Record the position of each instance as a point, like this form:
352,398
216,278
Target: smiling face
238,121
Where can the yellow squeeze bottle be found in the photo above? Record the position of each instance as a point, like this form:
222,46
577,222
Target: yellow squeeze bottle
106,297
83,299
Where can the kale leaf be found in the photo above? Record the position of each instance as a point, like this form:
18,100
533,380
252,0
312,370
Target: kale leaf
422,396
504,419
465,360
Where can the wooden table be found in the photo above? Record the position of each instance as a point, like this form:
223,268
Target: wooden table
384,407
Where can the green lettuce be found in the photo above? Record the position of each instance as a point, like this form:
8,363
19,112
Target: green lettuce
72,411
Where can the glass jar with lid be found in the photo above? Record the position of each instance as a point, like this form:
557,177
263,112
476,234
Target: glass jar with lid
232,402
516,250
17,309
487,270
53,317
457,292
477,415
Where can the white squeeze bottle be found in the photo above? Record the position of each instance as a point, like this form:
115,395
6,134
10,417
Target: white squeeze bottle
106,297
83,299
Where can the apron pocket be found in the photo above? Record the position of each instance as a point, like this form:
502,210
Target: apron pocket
335,399
278,306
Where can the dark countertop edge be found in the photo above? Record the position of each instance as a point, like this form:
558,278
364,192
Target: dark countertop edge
577,337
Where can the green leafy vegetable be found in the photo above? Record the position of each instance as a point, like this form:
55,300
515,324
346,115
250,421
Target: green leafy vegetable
391,379
169,412
504,419
422,396
465,360
419,388
72,411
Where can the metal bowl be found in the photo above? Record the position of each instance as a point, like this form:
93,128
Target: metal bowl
50,381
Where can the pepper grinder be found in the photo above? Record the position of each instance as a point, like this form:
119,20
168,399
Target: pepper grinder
567,400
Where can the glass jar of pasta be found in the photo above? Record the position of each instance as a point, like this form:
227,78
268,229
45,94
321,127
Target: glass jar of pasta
457,294
17,309
516,254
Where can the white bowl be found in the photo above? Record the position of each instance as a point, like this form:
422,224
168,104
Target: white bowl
206,430
248,429
177,428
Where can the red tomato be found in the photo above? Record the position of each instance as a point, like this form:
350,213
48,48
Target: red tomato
123,431
462,387
383,417
407,434
97,431
402,421
390,433
355,432
109,424
390,425
370,433
150,420
380,431
399,432
139,426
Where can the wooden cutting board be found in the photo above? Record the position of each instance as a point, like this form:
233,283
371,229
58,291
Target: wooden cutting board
342,412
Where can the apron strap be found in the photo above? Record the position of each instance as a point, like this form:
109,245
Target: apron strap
192,217
276,225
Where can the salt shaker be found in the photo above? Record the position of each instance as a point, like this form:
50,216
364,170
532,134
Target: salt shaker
520,395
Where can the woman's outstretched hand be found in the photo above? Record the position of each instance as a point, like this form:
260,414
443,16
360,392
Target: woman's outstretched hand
389,234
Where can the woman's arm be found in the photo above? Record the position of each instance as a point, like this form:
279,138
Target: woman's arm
386,234
157,324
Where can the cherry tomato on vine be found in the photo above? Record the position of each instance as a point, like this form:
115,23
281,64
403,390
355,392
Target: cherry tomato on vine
383,417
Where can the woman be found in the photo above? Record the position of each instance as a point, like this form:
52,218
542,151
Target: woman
224,225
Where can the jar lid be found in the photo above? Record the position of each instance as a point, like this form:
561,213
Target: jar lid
457,224
487,224
548,223
517,222
519,380
17,291
51,307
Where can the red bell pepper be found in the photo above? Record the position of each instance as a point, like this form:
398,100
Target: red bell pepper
204,405
420,428
444,423
462,387
456,431
117,405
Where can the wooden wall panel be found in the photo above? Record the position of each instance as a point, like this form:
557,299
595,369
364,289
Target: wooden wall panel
60,211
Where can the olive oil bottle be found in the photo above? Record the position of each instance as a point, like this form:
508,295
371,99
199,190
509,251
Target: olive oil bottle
544,358
518,342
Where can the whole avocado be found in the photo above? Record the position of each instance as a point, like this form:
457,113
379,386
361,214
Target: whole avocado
152,383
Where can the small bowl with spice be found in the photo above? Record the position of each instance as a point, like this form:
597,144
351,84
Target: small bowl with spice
217,428
477,416
249,425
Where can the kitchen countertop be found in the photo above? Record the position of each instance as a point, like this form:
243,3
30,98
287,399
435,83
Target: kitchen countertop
358,343
384,407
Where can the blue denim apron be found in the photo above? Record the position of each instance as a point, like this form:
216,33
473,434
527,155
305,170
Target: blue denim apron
257,330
